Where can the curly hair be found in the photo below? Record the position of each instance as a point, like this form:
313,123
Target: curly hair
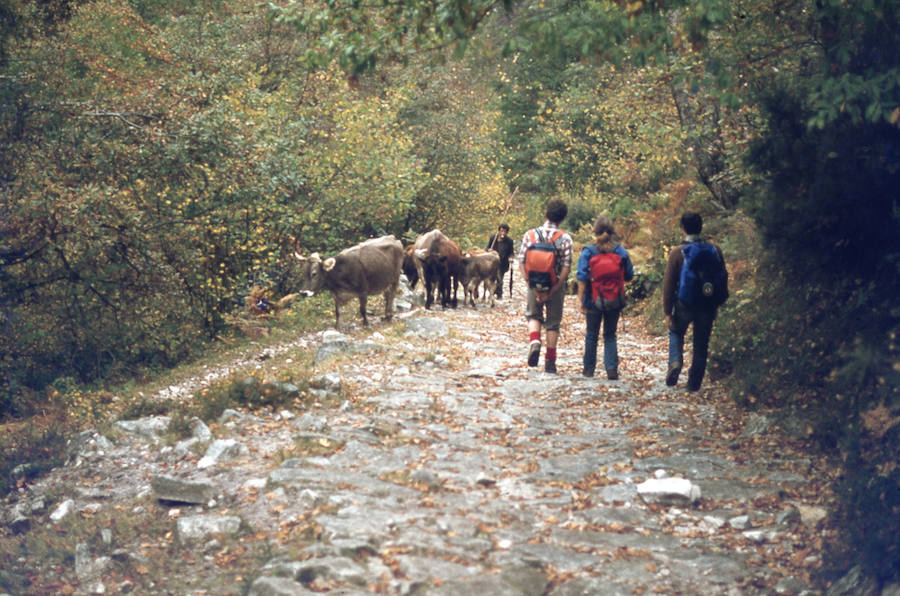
556,210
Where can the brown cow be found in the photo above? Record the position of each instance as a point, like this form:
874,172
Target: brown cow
437,260
372,267
476,268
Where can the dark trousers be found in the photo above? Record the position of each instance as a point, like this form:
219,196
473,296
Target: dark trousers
593,320
499,291
702,319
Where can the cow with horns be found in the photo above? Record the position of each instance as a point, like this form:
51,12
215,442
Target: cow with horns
370,268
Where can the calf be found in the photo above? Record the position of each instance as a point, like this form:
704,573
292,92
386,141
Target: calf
370,268
476,269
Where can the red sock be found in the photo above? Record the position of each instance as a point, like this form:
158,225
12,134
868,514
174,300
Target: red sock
550,355
534,336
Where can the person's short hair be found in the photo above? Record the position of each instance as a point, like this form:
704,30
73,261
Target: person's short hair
692,222
556,210
603,225
503,226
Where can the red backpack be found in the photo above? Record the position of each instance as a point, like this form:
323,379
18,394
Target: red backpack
607,281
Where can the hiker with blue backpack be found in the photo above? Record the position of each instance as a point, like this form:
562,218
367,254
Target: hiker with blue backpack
694,286
603,269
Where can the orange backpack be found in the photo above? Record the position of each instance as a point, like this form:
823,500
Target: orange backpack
541,261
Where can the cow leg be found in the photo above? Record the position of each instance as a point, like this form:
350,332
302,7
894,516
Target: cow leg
429,294
420,271
362,309
455,282
490,286
444,290
338,301
389,302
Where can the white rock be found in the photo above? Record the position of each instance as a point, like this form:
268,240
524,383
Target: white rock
200,527
761,535
219,450
64,509
255,484
669,491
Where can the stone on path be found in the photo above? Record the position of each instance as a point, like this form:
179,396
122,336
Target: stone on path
169,488
669,491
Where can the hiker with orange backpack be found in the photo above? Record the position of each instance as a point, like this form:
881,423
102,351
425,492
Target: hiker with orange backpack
603,269
545,259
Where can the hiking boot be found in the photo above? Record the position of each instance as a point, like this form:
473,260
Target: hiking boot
550,366
534,352
612,374
672,375
691,387
587,373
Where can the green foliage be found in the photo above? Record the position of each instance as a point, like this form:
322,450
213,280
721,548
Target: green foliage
575,117
451,130
169,178
359,36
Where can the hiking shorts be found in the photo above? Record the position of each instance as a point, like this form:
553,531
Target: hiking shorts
553,309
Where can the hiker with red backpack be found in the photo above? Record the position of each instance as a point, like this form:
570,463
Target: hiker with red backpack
603,269
694,286
545,259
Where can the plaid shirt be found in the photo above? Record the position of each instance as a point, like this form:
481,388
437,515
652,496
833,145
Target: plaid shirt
563,244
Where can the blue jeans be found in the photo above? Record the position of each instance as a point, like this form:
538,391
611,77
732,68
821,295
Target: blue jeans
609,320
702,319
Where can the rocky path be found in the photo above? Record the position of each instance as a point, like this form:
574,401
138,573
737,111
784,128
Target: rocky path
434,462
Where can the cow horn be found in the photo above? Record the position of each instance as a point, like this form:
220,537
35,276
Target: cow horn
315,258
299,256
328,264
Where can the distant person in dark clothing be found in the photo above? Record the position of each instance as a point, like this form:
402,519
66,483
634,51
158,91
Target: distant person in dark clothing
503,244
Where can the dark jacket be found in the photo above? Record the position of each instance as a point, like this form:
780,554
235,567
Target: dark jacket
504,248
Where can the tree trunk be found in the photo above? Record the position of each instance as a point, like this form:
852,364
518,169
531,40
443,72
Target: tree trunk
699,118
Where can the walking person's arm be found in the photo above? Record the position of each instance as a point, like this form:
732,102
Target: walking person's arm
670,282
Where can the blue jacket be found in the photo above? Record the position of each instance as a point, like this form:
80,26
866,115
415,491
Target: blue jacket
583,272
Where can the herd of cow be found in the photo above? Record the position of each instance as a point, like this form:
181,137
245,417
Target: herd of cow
374,267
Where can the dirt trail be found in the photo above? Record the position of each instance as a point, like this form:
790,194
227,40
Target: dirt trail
436,462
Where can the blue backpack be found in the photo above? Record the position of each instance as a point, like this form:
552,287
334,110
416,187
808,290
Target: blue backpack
704,280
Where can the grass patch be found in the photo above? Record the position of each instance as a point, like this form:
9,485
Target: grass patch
34,445
29,449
